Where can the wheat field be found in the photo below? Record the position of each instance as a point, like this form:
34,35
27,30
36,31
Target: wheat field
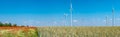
98,31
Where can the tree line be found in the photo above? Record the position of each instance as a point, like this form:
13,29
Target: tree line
7,24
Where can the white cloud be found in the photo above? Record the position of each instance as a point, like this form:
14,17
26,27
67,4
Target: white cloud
118,19
38,22
75,20
65,14
54,22
6,22
31,22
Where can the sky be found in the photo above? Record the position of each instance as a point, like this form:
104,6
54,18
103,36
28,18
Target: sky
52,12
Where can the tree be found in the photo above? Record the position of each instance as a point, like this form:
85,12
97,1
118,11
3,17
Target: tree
22,26
9,24
14,24
6,24
1,24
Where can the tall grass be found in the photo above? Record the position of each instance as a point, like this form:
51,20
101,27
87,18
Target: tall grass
79,31
18,32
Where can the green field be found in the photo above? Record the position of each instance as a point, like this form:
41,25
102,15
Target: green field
103,31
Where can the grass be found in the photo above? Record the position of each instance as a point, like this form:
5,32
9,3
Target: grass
100,31
86,31
18,32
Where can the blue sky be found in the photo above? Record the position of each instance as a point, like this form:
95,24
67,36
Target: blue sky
51,12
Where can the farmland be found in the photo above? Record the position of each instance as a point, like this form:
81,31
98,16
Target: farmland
18,31
103,31
86,31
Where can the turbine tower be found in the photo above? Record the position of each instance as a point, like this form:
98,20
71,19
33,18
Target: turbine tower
106,20
65,18
112,16
113,13
71,13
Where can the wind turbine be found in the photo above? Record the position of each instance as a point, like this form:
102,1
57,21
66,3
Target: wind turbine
106,20
71,22
113,13
113,17
65,18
